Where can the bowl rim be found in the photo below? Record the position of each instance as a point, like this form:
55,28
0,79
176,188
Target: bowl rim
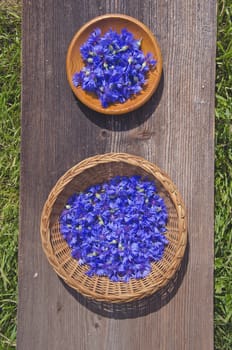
90,162
116,109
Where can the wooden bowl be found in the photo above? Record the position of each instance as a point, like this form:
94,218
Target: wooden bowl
99,169
117,22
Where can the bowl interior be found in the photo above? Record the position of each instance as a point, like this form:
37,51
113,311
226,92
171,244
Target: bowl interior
102,287
74,61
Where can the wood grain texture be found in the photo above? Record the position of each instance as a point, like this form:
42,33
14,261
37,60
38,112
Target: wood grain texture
174,130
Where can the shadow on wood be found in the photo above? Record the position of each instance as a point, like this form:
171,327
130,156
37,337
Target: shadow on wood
126,121
137,308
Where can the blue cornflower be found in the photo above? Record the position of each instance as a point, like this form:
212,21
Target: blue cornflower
116,228
94,36
115,66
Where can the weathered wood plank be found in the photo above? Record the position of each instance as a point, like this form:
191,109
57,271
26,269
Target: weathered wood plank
174,130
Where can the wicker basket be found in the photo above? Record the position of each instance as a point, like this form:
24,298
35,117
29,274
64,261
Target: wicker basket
98,169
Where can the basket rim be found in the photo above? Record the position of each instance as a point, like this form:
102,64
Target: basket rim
90,162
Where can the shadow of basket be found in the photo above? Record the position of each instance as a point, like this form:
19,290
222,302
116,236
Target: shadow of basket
137,308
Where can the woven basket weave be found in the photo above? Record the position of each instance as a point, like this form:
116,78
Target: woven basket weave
95,170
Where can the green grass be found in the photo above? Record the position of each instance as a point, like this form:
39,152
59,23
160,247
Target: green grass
10,37
223,180
9,168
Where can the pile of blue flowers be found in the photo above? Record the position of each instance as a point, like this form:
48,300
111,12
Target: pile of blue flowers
115,66
116,228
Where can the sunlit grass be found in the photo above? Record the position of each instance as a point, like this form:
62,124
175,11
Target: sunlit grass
10,35
223,180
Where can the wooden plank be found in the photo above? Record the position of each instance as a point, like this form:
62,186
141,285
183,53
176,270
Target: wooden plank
175,130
